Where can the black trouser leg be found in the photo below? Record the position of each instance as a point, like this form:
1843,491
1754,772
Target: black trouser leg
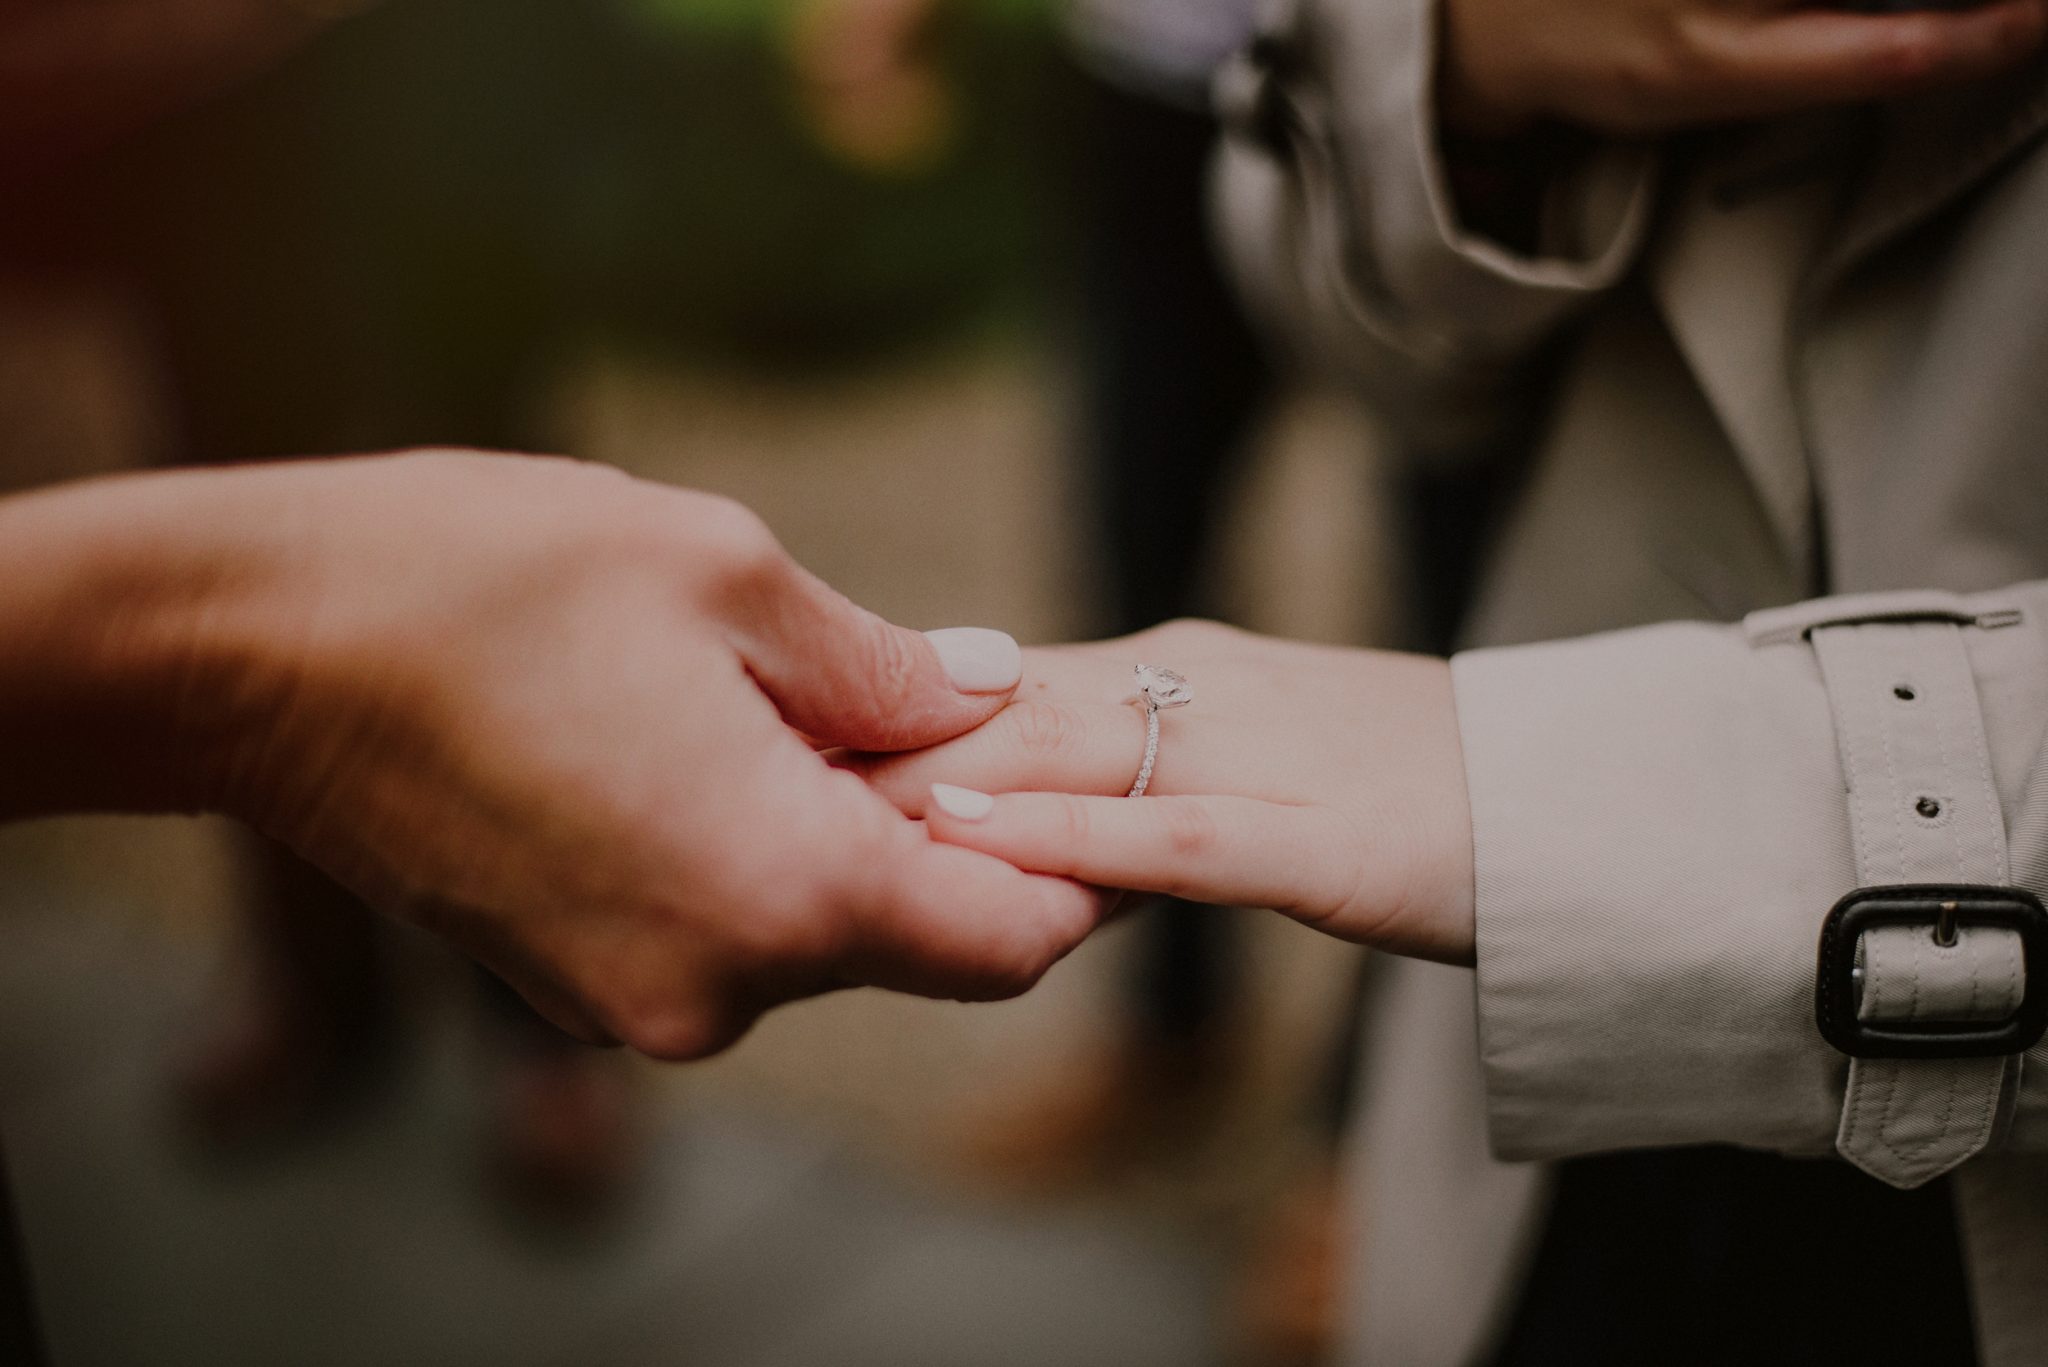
1706,1256
21,1338
1173,380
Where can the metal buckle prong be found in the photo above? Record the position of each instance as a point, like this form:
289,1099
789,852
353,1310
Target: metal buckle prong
1945,909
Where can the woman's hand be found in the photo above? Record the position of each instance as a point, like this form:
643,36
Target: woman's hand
1644,67
1325,783
561,717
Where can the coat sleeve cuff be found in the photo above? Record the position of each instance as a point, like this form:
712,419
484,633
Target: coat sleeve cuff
1660,826
1332,200
1384,76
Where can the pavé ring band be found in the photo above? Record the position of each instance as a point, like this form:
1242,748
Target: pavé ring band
1158,689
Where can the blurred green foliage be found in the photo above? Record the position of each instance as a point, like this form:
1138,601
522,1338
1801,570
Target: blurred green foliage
376,242
722,219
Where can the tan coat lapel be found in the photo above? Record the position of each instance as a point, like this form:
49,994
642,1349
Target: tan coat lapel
1762,231
1727,276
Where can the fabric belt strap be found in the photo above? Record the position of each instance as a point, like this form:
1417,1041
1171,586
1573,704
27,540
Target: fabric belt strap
1923,809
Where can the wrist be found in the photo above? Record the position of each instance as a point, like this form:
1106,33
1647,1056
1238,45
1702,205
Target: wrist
1437,799
134,651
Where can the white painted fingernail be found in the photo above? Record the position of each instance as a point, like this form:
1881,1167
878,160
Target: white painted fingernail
962,804
978,660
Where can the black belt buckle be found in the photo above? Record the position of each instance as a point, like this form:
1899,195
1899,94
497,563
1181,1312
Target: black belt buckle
1943,910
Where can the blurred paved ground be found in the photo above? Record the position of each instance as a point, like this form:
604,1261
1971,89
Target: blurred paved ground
750,1242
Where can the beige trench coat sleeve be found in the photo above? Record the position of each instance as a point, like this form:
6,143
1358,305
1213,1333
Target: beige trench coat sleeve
1332,201
1662,819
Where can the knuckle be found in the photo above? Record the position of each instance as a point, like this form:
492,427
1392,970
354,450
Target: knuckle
794,919
1342,897
1069,928
889,663
1191,832
1339,891
828,921
1676,60
1372,891
1044,730
1003,981
1908,53
1072,825
1073,930
1644,80
1189,635
805,932
731,536
681,1034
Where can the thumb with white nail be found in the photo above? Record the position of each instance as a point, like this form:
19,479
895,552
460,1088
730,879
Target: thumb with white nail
844,676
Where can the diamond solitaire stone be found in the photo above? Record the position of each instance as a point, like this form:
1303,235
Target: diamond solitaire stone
1158,689
1163,687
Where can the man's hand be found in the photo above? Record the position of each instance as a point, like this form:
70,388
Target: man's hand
563,718
1322,782
1645,67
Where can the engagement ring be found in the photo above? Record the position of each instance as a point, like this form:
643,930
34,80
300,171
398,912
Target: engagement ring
1157,689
